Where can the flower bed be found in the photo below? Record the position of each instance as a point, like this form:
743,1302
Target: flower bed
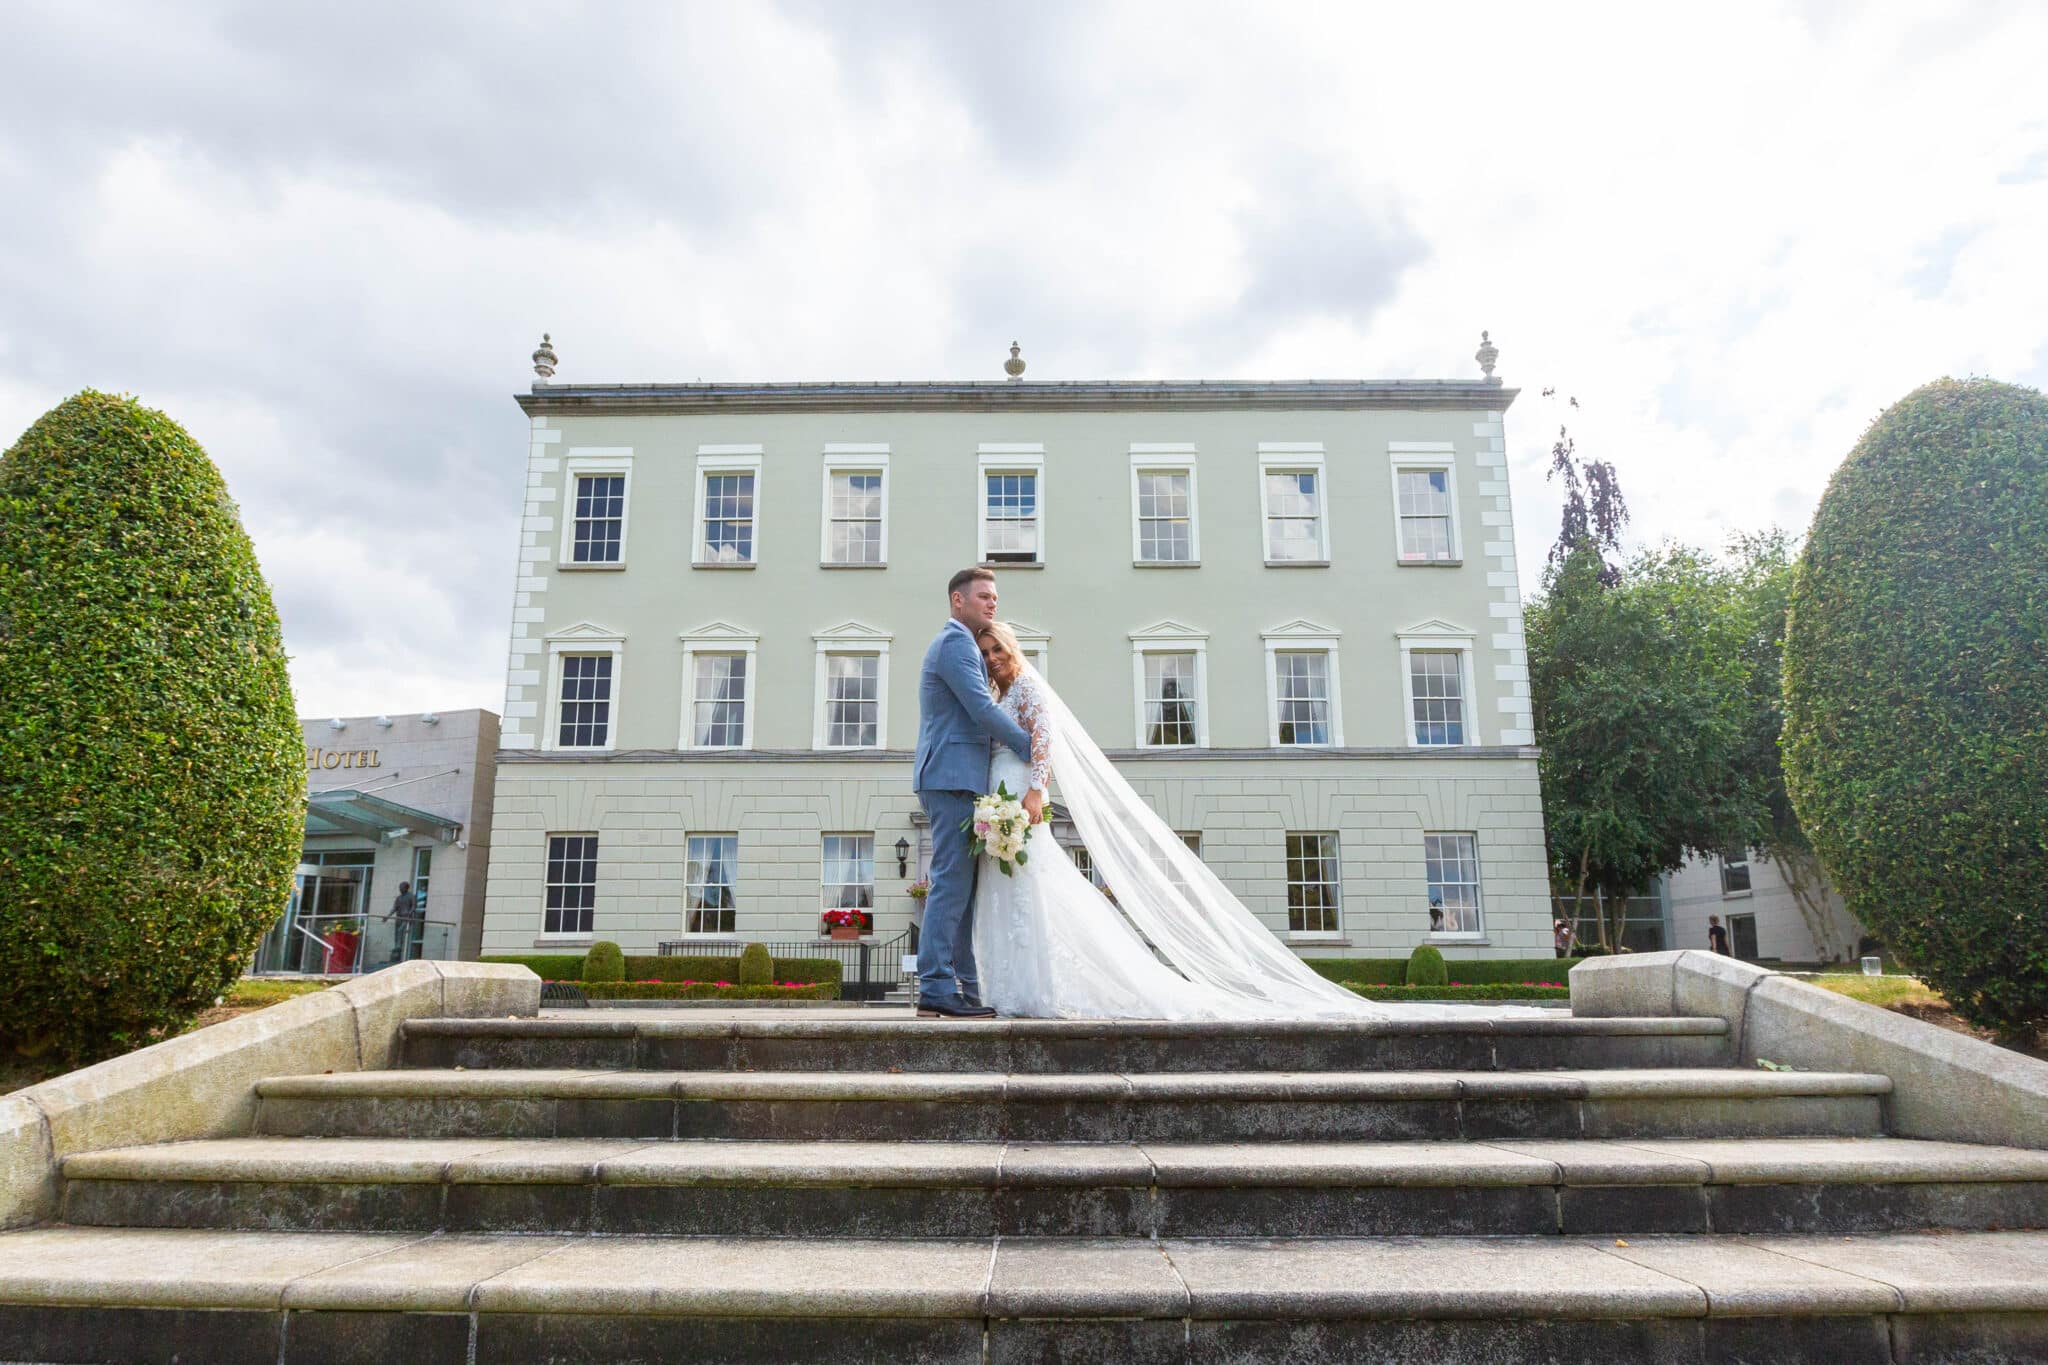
706,990
1457,991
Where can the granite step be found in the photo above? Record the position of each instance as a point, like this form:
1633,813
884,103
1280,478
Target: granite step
1040,1046
766,1189
70,1294
987,1107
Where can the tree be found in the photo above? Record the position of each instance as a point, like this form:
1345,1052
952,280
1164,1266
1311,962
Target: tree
1760,577
1638,685
1594,510
152,771
1916,691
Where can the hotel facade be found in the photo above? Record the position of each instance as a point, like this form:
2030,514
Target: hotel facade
1288,611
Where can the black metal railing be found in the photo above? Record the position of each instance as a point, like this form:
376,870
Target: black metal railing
868,969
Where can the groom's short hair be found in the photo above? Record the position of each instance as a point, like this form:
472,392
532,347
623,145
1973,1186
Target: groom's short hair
959,581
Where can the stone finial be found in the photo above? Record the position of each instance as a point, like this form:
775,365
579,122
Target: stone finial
1486,355
544,358
1014,366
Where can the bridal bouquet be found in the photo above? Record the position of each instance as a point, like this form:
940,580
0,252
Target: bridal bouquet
1000,829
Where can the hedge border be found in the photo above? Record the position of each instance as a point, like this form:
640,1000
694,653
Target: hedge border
1484,971
1498,991
569,967
703,990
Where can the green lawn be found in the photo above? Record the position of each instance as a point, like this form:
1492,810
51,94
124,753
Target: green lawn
1883,991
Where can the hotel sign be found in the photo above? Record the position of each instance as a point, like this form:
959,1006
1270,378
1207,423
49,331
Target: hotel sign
317,758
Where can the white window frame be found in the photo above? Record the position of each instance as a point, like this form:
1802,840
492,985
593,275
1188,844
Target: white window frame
874,851
1295,935
1405,457
1007,458
1166,458
1749,875
1438,637
1295,457
1477,935
587,462
850,459
596,880
725,459
717,637
850,638
711,934
1170,637
582,638
1302,637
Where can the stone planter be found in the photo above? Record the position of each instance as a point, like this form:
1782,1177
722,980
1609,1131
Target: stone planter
844,931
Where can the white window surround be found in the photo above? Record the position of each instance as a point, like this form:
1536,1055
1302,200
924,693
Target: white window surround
1035,642
851,638
1306,637
725,459
1171,637
850,459
584,461
1426,455
1166,458
585,637
716,637
1443,636
1007,458
1292,457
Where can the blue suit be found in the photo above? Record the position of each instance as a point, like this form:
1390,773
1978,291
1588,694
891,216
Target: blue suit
956,721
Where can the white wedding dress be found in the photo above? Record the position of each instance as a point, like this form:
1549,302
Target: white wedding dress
1049,945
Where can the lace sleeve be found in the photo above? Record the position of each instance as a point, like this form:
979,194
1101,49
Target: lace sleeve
1032,715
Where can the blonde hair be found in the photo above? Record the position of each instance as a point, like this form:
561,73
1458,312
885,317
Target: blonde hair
1005,637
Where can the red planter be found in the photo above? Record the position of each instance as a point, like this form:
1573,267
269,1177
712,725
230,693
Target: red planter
845,931
341,951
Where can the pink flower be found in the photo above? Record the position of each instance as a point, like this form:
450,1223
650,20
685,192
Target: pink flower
981,827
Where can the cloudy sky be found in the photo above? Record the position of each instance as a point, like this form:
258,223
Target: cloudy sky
325,238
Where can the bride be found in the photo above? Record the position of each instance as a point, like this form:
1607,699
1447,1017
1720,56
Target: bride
1174,944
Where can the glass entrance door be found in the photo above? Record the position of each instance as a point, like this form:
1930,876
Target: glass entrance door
322,928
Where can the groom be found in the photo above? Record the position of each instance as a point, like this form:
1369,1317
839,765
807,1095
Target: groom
956,721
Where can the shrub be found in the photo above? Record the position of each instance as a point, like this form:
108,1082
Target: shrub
1916,688
1426,967
604,962
756,967
152,770
1521,990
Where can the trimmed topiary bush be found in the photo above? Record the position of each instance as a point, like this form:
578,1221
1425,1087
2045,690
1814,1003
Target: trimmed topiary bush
756,967
1916,692
152,771
1426,967
604,962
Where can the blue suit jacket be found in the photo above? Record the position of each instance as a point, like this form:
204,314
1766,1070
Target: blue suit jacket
956,718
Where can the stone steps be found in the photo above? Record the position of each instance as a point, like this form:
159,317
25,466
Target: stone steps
1055,1046
1139,1107
72,1294
794,1189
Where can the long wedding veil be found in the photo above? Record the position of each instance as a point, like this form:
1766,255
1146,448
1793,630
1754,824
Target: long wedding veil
1169,895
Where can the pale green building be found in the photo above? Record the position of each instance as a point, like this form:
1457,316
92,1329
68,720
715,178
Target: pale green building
1289,611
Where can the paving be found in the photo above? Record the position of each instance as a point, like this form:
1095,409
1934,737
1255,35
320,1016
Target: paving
846,1185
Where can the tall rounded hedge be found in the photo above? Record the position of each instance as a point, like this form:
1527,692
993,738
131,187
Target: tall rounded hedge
152,775
1916,692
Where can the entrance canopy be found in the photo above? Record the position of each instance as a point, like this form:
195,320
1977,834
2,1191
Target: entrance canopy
346,811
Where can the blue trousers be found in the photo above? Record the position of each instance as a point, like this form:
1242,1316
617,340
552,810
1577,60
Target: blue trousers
945,945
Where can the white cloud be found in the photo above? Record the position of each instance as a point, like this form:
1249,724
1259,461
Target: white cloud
1734,240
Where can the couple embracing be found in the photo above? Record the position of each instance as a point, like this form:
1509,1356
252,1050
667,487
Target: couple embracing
1044,943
